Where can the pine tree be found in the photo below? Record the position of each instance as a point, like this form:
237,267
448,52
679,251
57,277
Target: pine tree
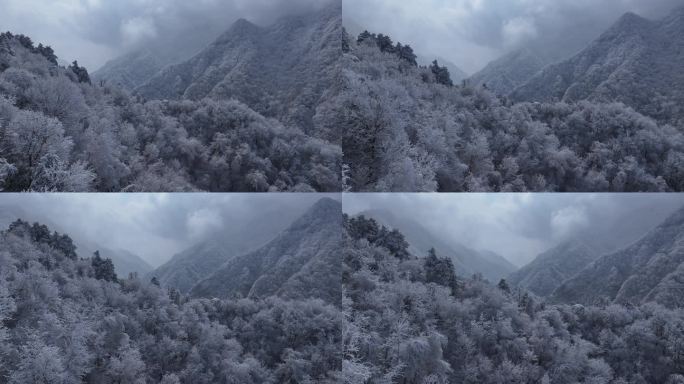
442,75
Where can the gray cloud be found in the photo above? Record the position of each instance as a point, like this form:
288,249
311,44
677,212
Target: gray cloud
520,226
95,31
153,226
470,33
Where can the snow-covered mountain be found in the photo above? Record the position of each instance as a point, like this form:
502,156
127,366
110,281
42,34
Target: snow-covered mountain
467,262
637,62
303,261
133,69
649,270
281,71
512,70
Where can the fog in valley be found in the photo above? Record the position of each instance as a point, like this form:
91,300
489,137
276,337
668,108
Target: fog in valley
152,226
521,226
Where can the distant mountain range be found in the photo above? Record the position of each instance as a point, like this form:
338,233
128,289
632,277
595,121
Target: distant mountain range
467,262
303,261
134,68
504,75
637,62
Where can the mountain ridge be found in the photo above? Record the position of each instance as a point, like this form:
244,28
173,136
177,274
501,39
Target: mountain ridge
505,74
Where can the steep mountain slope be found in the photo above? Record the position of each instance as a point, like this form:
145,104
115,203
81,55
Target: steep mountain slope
650,269
281,71
466,261
303,261
636,62
187,268
550,269
512,70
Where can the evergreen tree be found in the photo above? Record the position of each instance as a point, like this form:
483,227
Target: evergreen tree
440,271
81,73
441,74
503,285
103,268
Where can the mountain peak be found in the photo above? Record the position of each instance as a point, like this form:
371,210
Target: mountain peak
242,27
629,22
325,208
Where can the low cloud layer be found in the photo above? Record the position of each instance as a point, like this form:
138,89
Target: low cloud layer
520,226
95,31
153,226
470,33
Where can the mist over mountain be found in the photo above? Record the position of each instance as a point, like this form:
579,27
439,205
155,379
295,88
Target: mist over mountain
133,69
467,262
512,70
648,270
301,262
635,62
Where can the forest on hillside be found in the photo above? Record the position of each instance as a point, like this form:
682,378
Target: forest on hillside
68,318
404,318
60,131
362,117
406,127
412,319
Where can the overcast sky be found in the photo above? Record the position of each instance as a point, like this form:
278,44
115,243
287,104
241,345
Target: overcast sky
470,33
95,31
520,226
153,226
